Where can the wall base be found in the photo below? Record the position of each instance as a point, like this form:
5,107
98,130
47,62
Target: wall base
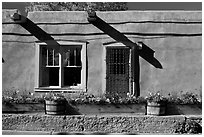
133,124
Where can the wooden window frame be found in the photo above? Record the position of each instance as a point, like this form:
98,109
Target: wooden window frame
38,73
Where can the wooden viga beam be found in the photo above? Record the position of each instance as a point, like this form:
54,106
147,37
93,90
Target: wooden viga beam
109,30
143,50
36,31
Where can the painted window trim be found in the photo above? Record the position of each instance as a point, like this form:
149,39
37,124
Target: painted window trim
83,85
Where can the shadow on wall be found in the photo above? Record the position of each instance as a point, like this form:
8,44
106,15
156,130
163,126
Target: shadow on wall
146,52
36,31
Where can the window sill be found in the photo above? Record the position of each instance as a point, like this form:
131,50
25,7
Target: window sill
64,89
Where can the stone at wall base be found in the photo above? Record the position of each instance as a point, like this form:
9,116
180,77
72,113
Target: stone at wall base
131,124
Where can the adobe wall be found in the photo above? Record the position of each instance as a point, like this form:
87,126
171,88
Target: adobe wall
175,36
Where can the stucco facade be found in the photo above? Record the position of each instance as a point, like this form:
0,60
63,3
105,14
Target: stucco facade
175,36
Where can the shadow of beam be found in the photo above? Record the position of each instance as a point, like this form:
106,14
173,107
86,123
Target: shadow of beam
112,32
146,52
36,31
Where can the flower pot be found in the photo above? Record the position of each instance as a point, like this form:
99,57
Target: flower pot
55,107
155,108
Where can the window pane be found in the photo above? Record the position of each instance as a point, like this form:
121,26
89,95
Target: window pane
50,57
78,57
45,76
56,59
44,55
54,76
53,57
72,76
50,76
72,57
66,58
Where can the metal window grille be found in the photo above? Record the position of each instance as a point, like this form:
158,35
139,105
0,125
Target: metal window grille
117,71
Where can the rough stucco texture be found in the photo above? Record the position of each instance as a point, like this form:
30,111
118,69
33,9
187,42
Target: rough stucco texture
179,53
108,124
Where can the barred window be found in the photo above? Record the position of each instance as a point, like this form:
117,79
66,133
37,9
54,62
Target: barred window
117,60
117,71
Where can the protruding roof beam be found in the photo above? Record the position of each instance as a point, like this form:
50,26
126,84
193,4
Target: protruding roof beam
36,31
142,50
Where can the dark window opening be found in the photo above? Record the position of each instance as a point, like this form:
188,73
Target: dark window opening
72,76
53,76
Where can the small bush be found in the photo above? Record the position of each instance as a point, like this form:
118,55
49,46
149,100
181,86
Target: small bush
186,98
188,127
15,96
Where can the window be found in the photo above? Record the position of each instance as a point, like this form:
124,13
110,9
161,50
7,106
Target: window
117,71
117,60
72,66
64,69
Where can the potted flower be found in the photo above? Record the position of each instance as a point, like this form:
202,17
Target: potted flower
156,104
55,103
